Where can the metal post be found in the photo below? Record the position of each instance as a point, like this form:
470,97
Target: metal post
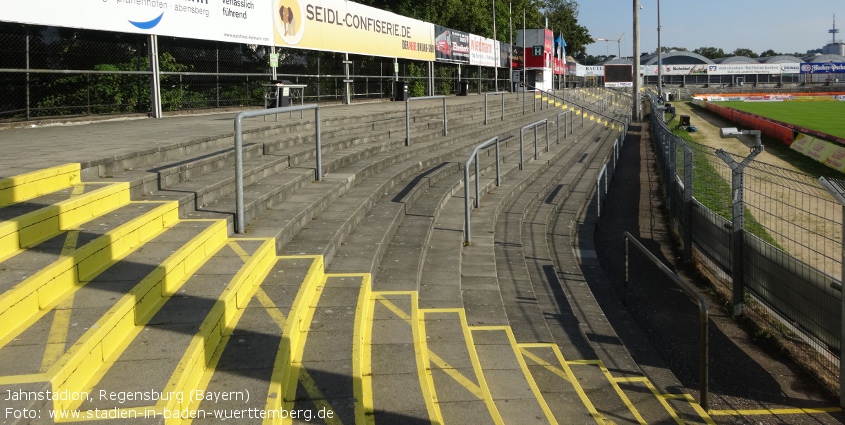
445,121
477,177
659,56
738,225
636,109
548,147
318,146
347,96
155,78
407,122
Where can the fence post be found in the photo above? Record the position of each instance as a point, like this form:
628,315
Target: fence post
738,225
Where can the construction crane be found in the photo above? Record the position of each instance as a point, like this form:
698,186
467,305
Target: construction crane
618,43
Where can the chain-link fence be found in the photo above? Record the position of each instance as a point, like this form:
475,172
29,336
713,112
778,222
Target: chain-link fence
50,72
791,246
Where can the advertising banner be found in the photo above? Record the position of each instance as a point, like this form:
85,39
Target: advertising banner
482,51
244,21
504,54
344,26
583,71
823,68
744,68
592,71
451,45
700,69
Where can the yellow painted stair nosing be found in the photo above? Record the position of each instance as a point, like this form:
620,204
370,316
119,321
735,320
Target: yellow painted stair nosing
292,344
29,300
30,185
205,346
113,332
527,373
37,226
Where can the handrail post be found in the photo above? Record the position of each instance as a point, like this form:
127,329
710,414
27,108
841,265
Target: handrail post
477,178
445,121
319,145
522,148
239,220
407,121
535,143
485,108
498,163
239,174
546,124
503,106
467,208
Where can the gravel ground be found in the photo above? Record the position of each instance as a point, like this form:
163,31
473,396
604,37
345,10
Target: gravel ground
747,370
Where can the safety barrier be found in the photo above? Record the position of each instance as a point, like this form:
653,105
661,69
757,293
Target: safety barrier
544,122
501,93
474,157
239,158
408,116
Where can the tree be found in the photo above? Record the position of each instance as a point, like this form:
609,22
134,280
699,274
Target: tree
563,18
710,52
769,53
744,52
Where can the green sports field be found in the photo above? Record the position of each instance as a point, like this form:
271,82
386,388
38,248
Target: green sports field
825,116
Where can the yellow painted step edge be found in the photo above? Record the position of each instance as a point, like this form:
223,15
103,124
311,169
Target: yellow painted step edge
37,226
527,373
197,364
106,340
29,300
487,397
362,383
568,375
293,341
30,185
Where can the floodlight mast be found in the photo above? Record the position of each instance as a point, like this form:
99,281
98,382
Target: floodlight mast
738,216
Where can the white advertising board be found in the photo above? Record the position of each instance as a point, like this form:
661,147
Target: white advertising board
482,51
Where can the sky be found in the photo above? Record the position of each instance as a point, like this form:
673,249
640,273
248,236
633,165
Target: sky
785,26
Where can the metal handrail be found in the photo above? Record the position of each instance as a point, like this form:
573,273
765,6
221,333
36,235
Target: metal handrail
239,158
703,341
474,156
502,93
522,140
408,116
624,124
564,124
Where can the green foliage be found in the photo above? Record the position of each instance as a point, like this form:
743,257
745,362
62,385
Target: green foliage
111,93
710,52
713,190
744,52
416,84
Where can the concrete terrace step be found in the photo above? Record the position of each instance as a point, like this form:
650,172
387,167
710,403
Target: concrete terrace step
393,163
108,307
453,369
279,155
40,218
400,202
400,393
30,293
511,386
